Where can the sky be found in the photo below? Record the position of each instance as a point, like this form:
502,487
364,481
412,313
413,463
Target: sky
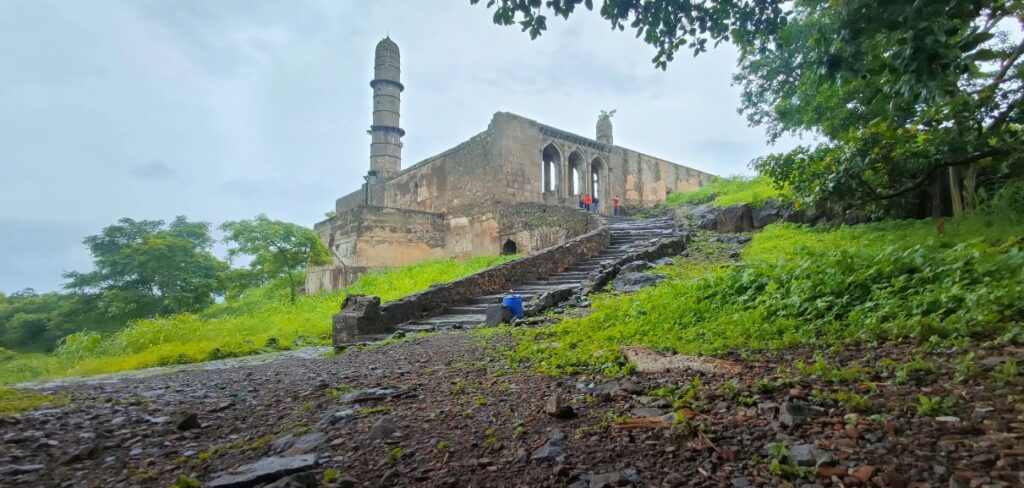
221,110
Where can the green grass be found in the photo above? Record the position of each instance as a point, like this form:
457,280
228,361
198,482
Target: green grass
261,321
14,401
723,192
804,286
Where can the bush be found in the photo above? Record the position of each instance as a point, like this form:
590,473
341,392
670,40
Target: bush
804,286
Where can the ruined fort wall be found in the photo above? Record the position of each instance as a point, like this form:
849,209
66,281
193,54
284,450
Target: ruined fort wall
639,179
645,181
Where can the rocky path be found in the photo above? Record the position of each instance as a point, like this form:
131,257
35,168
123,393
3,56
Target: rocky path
448,410
444,411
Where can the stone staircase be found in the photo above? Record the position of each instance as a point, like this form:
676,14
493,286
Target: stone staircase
627,236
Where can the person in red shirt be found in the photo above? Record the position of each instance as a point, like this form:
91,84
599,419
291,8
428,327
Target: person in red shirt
615,205
587,201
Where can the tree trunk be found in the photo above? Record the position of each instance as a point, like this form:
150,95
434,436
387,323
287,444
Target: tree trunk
956,176
936,196
970,178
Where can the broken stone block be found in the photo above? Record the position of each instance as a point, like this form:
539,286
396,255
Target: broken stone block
498,314
359,315
265,470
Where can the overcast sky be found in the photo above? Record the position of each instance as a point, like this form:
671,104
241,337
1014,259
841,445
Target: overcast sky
225,109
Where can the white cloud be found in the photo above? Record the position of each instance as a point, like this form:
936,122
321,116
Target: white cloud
223,110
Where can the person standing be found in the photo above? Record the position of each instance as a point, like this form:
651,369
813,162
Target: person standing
580,197
587,201
597,203
615,205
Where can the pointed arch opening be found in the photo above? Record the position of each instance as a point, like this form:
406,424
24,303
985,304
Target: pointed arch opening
598,175
509,248
551,163
576,171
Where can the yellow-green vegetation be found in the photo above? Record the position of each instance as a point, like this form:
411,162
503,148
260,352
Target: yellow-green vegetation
803,286
731,190
14,401
262,320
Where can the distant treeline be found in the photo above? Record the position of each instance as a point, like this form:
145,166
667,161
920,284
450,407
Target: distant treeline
148,268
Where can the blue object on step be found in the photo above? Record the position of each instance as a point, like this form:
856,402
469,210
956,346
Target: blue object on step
514,304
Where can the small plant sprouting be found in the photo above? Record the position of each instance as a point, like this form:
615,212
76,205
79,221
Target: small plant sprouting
491,438
748,401
367,411
443,445
967,367
764,386
934,406
331,475
395,455
1006,372
480,400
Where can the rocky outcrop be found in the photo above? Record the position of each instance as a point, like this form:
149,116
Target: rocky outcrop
744,217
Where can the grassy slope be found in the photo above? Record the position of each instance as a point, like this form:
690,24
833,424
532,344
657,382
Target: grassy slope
243,327
802,286
730,191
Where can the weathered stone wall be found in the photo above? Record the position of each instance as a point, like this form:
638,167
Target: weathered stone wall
492,280
367,238
640,180
333,277
534,226
379,236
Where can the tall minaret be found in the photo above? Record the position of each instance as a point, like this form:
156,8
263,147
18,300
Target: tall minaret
386,142
604,127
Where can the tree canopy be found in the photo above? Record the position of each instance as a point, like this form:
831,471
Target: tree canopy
146,267
906,98
277,248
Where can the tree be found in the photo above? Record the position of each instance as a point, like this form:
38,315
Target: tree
668,25
909,99
37,322
145,268
277,248
905,95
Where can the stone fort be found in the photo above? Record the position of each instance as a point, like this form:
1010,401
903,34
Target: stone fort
513,188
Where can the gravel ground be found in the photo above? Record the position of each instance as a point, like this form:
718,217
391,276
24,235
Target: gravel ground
447,412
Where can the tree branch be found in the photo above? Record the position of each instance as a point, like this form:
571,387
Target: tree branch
914,185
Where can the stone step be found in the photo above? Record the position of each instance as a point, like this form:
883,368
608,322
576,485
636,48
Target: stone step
550,282
453,319
469,309
489,299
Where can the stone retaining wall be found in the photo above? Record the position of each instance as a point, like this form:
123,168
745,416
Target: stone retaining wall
489,281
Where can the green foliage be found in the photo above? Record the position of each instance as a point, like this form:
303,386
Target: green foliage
34,322
967,367
145,268
927,406
666,25
185,481
897,92
260,321
276,248
16,401
805,286
1007,372
723,192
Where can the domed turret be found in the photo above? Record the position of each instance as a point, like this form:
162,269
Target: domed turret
387,61
386,134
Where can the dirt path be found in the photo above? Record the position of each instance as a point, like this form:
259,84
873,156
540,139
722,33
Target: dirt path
462,418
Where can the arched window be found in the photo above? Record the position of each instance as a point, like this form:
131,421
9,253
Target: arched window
576,166
597,175
509,247
551,162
